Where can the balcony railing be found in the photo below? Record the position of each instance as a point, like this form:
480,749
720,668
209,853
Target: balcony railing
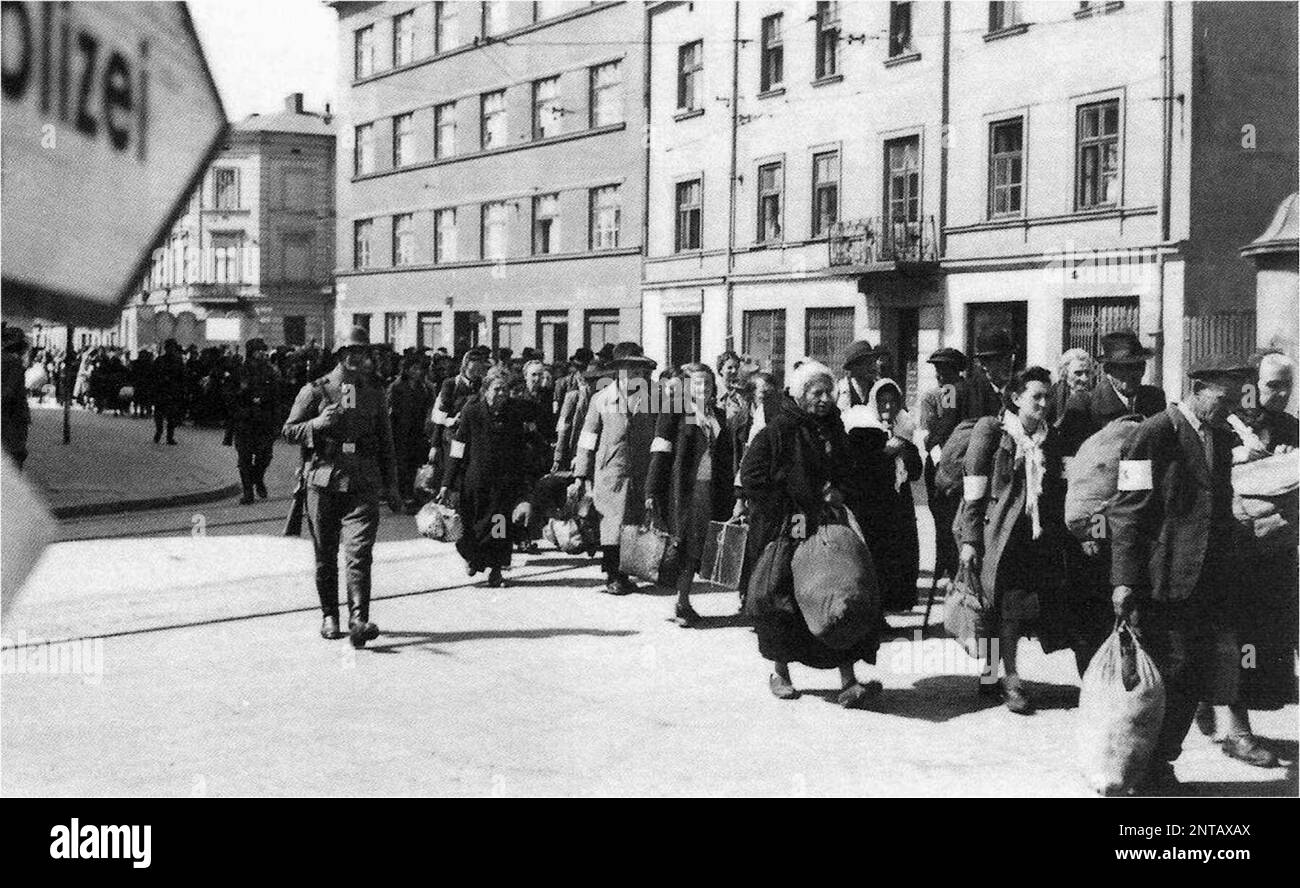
880,241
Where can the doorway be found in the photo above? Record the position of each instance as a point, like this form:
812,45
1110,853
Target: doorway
683,340
469,330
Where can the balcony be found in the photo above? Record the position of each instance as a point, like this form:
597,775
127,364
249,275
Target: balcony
881,245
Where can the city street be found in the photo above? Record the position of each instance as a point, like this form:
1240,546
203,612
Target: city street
214,682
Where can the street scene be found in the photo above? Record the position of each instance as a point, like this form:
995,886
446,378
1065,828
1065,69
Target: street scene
668,399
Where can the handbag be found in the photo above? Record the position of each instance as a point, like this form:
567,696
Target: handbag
771,582
967,613
648,552
724,553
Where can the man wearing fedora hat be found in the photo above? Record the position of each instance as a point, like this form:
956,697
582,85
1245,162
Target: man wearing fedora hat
341,422
862,369
614,455
988,375
1119,392
1174,567
939,411
254,413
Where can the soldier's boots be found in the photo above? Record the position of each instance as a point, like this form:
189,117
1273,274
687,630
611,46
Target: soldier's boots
259,486
246,482
360,631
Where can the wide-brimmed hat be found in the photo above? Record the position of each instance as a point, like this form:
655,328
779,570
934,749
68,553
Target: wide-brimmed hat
1219,364
991,343
947,355
862,350
583,355
1123,347
629,356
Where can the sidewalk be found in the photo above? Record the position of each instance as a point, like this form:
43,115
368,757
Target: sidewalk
112,464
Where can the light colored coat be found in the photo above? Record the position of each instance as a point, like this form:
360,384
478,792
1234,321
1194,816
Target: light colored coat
614,454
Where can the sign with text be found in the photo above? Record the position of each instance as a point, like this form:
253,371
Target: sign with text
110,117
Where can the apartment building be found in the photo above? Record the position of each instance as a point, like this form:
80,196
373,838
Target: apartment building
491,173
915,172
254,253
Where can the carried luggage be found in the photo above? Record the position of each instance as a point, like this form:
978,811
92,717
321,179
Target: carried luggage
951,467
724,554
968,614
648,552
1121,707
771,585
1092,476
426,480
835,584
438,522
1266,500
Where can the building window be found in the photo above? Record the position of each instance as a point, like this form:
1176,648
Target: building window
1087,320
689,217
444,130
1004,15
546,224
363,152
495,218
362,321
828,39
553,336
601,329
295,330
828,333
394,328
546,107
444,235
428,330
826,192
446,26
769,202
606,94
684,335
364,52
1097,161
404,239
508,330
361,232
227,257
773,59
494,17
225,188
606,216
404,38
903,179
1006,167
493,128
764,339
690,76
900,29
403,139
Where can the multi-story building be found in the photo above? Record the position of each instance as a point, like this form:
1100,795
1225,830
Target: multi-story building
491,173
914,172
254,253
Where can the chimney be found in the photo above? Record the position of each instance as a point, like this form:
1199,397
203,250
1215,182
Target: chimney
293,103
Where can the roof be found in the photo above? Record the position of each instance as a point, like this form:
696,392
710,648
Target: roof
305,123
1282,234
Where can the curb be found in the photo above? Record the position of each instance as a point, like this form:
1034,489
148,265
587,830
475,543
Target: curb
90,510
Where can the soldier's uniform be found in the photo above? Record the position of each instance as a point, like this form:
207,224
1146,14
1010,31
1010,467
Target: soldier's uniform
348,467
253,399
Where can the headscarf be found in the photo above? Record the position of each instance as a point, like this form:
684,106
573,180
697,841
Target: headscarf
867,416
805,375
1030,457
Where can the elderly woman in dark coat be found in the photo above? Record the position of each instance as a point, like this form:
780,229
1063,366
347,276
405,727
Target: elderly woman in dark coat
1011,524
798,465
880,433
486,477
691,476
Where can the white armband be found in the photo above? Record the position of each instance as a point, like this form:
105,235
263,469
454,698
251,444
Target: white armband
936,452
1134,474
974,487
457,449
587,441
661,445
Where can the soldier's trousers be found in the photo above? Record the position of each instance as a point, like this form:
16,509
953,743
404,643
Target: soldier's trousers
254,457
350,520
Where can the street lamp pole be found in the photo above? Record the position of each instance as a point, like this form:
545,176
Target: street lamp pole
69,384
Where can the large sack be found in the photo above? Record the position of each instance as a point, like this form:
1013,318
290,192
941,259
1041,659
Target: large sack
835,585
1266,499
1121,706
771,588
951,467
1092,475
648,552
438,522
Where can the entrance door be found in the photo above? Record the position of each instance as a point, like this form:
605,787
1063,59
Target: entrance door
470,329
906,351
683,340
1011,316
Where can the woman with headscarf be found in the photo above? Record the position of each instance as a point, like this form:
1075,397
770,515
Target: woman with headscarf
1011,525
796,469
880,434
691,476
486,477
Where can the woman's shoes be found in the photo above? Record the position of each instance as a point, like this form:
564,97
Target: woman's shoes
1247,748
781,688
495,580
1013,694
685,616
1205,720
859,695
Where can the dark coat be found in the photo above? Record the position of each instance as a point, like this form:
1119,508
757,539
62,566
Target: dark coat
410,405
887,516
1086,413
977,397
1165,533
253,402
687,503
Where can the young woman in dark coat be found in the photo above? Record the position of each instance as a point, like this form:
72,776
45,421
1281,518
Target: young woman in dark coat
1012,524
487,478
691,476
799,465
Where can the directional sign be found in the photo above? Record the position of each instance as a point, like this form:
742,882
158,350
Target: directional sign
110,116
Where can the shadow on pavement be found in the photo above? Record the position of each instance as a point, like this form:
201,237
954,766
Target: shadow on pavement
565,582
421,639
936,698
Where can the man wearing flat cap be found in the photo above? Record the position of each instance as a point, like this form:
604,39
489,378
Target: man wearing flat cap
341,422
1174,564
862,369
1119,392
939,412
252,400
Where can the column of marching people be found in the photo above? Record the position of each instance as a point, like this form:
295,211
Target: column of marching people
505,443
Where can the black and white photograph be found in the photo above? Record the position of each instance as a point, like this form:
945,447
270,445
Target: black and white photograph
716,399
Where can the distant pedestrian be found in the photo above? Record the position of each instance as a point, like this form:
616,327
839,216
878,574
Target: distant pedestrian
410,405
15,415
169,384
254,411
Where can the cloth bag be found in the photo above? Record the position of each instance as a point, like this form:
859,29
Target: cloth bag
1092,477
771,584
967,613
835,584
425,481
648,552
1265,499
724,554
439,523
1121,706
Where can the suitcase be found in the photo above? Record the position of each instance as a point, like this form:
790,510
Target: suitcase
724,554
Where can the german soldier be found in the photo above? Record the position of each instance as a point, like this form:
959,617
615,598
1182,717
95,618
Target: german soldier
341,421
